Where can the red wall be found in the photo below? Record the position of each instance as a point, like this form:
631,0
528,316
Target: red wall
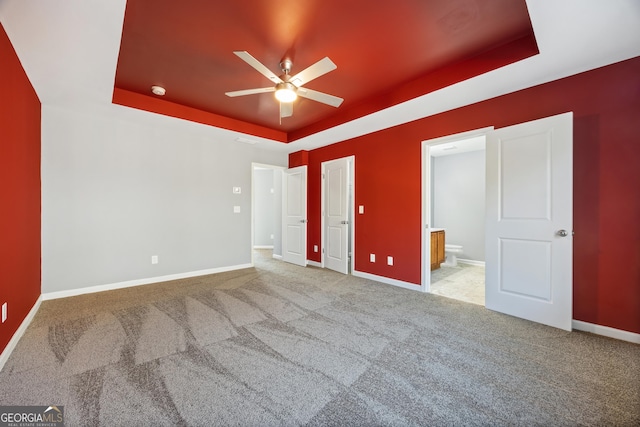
606,106
19,191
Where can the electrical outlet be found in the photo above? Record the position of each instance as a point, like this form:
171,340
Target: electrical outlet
237,190
4,312
372,257
271,235
361,209
154,259
315,248
236,209
389,260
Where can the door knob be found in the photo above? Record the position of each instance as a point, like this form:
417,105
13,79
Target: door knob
303,221
562,233
344,222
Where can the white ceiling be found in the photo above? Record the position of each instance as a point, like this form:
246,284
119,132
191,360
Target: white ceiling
69,49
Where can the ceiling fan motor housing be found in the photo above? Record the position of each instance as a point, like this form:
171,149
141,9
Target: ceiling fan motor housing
286,65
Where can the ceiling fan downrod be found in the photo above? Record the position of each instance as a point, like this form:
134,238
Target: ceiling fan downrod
285,66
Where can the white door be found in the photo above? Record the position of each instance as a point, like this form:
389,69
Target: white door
294,210
336,214
529,220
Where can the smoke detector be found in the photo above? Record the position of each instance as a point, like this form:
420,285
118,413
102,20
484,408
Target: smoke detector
158,90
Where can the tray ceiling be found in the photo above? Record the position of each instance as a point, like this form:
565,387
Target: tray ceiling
386,53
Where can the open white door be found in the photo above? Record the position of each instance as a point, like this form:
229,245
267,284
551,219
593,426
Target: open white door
529,220
294,210
336,214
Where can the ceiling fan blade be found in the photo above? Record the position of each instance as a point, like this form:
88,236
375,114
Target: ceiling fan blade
246,57
325,98
314,71
286,109
250,91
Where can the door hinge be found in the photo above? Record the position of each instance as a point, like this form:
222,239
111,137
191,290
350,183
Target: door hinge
322,176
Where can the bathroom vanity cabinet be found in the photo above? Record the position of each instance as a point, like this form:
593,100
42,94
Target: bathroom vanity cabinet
437,248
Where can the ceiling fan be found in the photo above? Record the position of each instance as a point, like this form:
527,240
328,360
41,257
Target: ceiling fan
287,88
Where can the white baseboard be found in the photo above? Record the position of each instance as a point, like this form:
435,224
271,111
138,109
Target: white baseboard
606,331
471,262
147,281
262,246
276,256
314,263
388,280
18,334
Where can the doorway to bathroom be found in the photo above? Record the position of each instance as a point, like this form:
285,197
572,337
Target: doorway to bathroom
457,218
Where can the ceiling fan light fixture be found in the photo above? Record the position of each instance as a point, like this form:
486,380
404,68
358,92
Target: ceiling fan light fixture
286,92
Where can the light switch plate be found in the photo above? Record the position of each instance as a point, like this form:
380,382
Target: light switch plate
236,209
390,260
237,190
372,257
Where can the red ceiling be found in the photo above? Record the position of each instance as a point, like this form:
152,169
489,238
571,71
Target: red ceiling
386,51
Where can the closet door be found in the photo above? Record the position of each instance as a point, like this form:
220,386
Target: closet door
336,214
294,221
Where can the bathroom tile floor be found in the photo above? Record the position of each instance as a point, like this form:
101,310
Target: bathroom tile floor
463,282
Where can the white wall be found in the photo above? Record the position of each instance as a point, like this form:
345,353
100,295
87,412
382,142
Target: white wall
116,191
277,184
264,207
459,201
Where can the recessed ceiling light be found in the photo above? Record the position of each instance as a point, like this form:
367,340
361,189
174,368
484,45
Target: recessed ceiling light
158,90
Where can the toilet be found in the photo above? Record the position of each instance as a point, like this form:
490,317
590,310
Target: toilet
451,252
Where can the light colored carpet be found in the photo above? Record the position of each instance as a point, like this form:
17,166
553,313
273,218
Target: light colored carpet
463,282
284,345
